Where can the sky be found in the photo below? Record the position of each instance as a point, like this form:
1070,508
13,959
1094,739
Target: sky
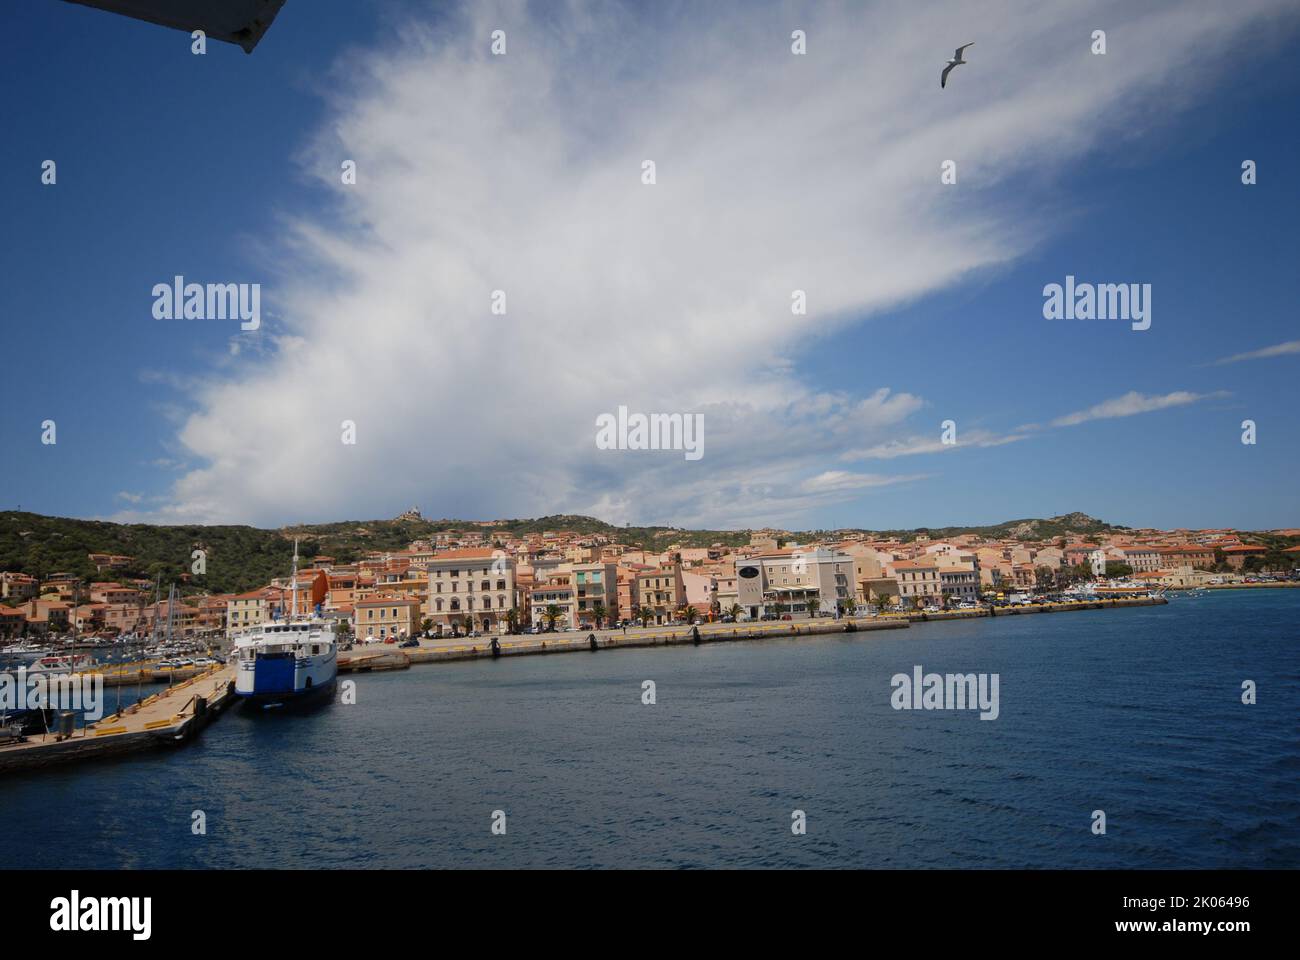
774,172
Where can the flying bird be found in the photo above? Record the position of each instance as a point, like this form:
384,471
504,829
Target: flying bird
955,61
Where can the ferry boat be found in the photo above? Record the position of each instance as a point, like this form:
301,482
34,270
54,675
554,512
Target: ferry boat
286,660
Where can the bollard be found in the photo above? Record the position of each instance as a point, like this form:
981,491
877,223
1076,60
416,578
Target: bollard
591,639
496,648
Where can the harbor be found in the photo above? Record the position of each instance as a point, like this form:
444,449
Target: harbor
743,732
181,710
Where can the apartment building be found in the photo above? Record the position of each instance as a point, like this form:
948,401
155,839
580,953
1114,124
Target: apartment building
959,582
785,582
919,582
554,597
1141,559
17,588
595,587
383,618
113,593
247,609
660,590
473,588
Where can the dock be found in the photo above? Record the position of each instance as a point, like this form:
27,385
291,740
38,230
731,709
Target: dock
377,657
166,718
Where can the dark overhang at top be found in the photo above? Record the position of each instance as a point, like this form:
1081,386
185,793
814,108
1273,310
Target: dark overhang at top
243,22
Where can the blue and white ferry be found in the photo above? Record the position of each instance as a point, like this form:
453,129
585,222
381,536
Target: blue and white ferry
287,660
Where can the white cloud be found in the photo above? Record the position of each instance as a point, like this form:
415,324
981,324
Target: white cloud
913,445
1277,350
521,173
1133,403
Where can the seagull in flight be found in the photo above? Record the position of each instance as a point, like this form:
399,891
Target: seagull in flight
955,61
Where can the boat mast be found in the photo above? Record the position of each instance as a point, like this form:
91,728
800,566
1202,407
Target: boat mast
293,585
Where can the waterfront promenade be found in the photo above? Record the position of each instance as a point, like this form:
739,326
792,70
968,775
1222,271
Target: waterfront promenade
438,649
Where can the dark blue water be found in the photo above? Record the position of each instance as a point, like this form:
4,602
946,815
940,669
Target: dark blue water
1135,712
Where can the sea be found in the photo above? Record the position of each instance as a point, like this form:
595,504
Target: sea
775,753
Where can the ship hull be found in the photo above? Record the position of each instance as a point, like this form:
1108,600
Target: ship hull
281,679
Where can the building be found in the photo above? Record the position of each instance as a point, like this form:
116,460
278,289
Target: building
661,591
13,622
247,609
595,590
919,583
471,589
959,584
1236,555
793,581
17,588
552,598
382,618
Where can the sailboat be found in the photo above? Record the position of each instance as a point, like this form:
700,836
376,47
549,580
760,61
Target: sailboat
287,660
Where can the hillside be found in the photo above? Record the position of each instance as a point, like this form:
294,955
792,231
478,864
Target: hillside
240,558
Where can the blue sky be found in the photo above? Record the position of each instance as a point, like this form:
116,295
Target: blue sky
223,168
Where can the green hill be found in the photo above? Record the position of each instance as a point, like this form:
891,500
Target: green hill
241,558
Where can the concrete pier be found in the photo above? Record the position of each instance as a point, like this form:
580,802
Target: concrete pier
168,717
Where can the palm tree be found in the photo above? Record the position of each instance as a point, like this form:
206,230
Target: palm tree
814,603
512,620
883,601
645,615
598,612
550,615
734,611
688,613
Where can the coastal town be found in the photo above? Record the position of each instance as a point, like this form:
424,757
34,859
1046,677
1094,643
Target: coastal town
476,580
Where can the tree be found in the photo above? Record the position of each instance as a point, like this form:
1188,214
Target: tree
550,615
645,615
814,603
883,600
512,620
734,611
598,613
426,625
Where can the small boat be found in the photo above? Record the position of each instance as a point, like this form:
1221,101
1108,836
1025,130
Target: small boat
59,663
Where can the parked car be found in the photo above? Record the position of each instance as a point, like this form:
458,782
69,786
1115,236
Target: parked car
787,617
412,642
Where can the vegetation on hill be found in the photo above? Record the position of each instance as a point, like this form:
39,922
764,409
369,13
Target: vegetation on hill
240,558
